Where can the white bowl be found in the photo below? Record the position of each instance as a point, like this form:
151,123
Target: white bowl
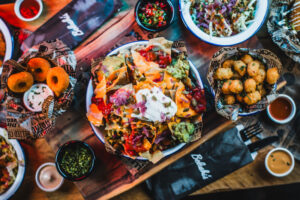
25,101
17,10
8,42
21,169
90,92
37,173
260,16
292,164
290,117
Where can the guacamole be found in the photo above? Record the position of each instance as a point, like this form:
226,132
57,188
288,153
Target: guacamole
112,63
179,69
183,131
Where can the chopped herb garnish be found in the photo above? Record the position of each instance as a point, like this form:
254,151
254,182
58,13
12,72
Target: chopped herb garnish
167,104
186,110
154,98
288,163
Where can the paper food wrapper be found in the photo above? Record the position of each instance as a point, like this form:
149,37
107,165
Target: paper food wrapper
177,46
281,30
232,112
22,123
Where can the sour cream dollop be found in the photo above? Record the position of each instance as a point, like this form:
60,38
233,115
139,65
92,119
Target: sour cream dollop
158,107
35,97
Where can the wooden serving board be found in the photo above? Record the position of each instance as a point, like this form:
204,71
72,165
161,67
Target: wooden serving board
114,175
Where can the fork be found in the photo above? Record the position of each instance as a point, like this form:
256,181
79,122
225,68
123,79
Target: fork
251,131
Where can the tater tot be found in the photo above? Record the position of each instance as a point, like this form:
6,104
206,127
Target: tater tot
272,75
223,73
227,64
240,67
236,86
261,65
229,99
252,98
247,58
253,68
239,98
236,75
260,77
225,87
250,85
261,90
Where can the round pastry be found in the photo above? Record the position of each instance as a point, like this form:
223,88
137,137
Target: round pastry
20,82
39,67
260,77
58,80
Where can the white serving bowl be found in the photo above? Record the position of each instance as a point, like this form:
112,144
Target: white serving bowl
21,169
292,114
17,10
37,180
292,164
8,42
90,92
260,16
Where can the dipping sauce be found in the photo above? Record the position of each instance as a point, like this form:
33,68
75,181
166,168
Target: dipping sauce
49,177
279,162
76,160
35,97
29,8
281,108
154,15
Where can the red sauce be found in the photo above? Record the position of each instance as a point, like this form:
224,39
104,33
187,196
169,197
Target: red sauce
280,109
29,8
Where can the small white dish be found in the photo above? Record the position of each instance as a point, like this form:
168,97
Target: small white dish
17,10
37,180
287,172
292,114
39,96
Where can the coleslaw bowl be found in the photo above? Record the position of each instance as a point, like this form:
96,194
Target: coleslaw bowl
261,11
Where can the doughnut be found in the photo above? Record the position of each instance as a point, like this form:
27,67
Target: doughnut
39,68
58,80
20,82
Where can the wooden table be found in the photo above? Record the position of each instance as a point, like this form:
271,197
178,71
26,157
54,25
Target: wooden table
38,152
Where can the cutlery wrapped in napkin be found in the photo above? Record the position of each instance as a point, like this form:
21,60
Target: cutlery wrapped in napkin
74,23
212,160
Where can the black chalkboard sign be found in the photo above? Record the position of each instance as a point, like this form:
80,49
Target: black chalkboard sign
212,160
75,22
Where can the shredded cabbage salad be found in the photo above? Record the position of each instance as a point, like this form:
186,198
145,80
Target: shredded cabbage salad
223,18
